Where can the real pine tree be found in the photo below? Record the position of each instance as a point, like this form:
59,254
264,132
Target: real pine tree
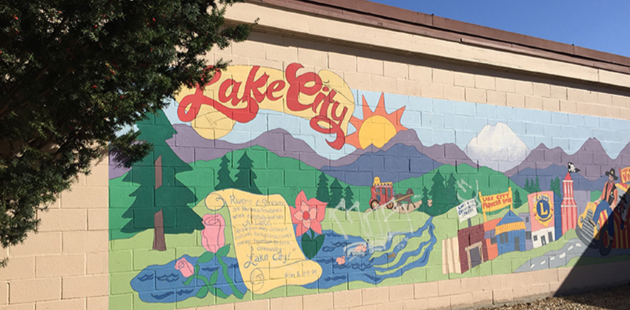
75,73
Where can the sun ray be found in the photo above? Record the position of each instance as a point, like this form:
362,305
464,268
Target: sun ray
377,127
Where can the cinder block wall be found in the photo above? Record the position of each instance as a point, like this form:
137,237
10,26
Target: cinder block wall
66,264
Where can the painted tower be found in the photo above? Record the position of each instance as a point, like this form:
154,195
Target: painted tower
568,206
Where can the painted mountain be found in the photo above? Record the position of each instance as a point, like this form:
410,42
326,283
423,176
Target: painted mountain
191,147
545,176
591,159
399,162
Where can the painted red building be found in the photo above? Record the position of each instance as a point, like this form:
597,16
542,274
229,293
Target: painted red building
472,250
568,206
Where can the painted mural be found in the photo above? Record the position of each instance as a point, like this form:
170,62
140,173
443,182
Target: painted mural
268,183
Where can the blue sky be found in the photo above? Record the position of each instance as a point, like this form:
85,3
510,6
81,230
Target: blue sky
435,123
598,25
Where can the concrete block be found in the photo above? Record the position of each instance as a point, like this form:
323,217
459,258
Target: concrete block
22,291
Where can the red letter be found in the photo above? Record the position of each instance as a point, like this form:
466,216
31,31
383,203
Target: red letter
297,86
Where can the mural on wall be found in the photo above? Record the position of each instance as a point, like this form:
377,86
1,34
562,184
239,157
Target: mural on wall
269,183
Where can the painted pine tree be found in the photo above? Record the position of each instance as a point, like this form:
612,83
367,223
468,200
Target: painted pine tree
451,191
336,193
537,186
555,186
223,175
439,196
527,186
425,198
161,202
517,201
348,197
323,194
245,177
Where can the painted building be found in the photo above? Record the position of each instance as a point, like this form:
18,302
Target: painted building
510,234
528,230
541,208
490,238
472,249
568,206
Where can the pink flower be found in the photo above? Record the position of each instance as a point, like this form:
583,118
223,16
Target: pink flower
307,214
341,260
212,237
184,267
360,248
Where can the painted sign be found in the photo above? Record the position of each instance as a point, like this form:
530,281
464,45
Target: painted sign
467,210
495,202
625,175
266,248
238,93
541,204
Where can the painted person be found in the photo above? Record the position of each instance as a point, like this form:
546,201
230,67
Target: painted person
608,201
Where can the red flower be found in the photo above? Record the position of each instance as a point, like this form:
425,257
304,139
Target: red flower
307,214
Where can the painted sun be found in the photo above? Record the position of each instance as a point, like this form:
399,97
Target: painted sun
377,127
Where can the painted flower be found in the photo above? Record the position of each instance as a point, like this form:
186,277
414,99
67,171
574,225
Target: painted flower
307,214
341,260
184,267
360,248
212,237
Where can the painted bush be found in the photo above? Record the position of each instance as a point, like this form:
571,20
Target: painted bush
268,183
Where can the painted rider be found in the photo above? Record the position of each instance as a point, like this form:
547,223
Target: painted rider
609,198
609,193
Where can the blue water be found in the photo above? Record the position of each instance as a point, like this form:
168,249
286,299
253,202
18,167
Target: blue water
164,284
361,266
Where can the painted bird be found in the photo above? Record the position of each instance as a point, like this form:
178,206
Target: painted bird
572,168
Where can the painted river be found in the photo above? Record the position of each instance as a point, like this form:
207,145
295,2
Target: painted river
342,258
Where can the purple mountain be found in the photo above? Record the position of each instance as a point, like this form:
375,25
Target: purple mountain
399,162
546,175
447,154
591,159
191,147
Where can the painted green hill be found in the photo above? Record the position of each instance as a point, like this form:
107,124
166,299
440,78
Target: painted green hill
469,181
269,173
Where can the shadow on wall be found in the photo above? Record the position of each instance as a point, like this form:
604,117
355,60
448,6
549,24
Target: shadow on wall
605,232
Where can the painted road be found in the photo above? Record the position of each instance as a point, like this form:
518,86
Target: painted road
559,258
